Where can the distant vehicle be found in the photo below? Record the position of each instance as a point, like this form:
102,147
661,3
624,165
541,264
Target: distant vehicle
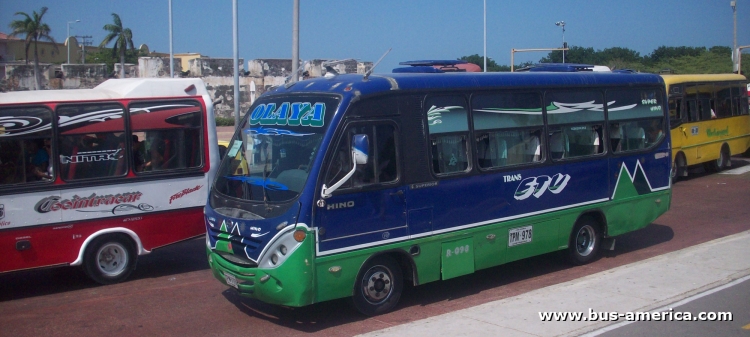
353,186
563,67
97,177
709,120
437,66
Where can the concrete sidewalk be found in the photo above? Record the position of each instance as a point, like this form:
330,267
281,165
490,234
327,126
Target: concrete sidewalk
638,287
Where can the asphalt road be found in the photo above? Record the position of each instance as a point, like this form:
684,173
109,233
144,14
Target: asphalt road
172,291
734,300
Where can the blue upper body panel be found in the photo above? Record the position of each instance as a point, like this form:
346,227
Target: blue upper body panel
353,84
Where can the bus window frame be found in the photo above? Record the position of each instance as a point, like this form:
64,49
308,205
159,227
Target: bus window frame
341,135
468,133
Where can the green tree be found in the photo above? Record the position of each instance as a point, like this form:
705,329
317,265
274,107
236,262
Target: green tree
105,55
123,38
35,30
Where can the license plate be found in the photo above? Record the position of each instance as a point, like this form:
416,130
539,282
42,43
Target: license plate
231,280
517,236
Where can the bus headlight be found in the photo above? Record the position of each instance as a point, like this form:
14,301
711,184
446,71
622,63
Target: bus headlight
281,248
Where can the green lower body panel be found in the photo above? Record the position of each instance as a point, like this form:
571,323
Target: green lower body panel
290,284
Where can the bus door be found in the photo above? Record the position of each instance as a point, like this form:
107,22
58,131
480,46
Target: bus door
368,207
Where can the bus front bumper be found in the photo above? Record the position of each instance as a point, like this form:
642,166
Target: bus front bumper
290,284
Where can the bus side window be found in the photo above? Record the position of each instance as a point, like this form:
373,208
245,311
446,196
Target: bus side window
692,107
447,119
91,141
577,132
26,146
169,133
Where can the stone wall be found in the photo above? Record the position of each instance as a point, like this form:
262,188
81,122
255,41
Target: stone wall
19,77
81,76
158,67
204,66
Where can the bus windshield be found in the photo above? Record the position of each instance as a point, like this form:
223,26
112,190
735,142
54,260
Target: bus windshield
270,158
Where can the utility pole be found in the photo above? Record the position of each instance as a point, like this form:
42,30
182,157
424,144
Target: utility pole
735,54
85,41
295,42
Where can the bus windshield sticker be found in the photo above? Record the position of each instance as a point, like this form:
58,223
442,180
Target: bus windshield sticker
536,186
235,147
274,132
292,114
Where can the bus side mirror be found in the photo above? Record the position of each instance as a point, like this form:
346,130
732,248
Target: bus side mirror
360,154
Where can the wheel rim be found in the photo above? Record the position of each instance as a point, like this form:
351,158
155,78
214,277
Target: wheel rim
585,240
377,285
112,259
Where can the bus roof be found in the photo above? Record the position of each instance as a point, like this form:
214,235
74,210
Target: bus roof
353,84
113,89
673,79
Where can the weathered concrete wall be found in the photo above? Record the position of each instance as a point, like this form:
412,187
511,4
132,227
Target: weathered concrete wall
82,76
131,70
158,67
202,67
19,77
270,67
221,90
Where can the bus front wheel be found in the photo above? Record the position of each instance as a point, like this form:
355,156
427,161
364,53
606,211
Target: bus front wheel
109,259
378,286
584,241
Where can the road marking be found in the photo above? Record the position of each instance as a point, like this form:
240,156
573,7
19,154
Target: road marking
739,170
678,303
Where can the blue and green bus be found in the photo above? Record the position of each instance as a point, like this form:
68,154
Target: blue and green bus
354,185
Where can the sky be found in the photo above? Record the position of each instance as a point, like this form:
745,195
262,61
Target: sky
413,29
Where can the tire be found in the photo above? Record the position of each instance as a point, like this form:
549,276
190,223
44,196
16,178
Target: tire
378,286
110,259
720,163
585,240
680,168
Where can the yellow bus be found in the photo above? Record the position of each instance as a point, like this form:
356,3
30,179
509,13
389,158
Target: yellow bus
709,120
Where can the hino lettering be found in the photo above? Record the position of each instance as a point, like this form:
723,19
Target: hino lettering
340,205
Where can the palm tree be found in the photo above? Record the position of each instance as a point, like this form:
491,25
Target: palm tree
123,38
34,30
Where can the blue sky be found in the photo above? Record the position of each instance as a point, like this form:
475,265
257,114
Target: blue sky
415,29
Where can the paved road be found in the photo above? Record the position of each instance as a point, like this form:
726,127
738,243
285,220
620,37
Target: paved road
734,299
172,292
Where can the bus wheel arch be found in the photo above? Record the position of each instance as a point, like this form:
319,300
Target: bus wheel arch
115,246
379,283
585,238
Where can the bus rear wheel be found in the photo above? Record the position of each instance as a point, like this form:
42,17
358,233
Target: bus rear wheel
109,259
378,287
585,240
720,163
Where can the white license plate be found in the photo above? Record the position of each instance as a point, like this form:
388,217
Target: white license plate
231,280
517,236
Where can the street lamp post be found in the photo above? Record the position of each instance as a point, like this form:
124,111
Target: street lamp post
562,24
69,22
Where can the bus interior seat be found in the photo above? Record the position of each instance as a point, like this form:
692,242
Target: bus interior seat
559,145
635,138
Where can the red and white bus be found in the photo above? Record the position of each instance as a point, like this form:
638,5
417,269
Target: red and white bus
96,177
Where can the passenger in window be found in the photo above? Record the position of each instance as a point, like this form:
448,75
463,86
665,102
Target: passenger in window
38,159
42,168
138,160
654,132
